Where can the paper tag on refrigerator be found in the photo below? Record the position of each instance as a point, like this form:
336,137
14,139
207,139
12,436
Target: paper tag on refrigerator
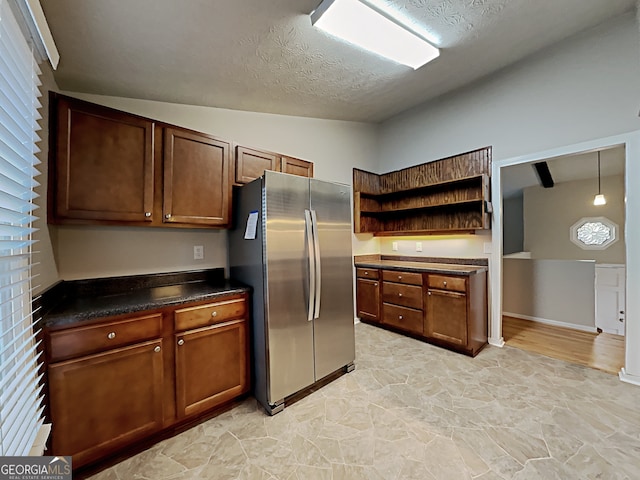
252,226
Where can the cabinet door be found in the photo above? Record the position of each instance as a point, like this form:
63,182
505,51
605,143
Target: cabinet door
103,164
295,166
251,164
447,316
368,299
105,401
211,366
196,179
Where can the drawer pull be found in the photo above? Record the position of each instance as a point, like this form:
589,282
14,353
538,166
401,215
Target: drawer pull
214,313
147,214
444,283
399,277
366,273
399,294
181,342
399,317
429,293
167,216
375,284
157,349
111,335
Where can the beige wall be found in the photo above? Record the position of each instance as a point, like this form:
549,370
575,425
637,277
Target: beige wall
45,269
334,147
550,212
552,291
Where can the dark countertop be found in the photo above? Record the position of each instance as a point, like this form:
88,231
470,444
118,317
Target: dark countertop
76,301
421,265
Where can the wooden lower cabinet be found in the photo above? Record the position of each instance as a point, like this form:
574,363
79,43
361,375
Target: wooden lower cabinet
116,381
104,401
447,316
447,310
212,366
368,299
457,311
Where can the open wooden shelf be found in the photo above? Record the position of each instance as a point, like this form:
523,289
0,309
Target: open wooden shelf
442,197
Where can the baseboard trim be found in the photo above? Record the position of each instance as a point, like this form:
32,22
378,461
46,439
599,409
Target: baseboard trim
497,342
628,378
555,323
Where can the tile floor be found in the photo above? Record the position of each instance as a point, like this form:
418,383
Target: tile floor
414,411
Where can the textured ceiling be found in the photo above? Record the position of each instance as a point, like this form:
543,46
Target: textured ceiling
264,55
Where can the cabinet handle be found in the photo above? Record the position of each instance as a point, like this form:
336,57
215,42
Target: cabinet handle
167,216
181,342
399,294
621,312
621,319
444,283
399,277
375,284
147,214
111,335
429,293
366,273
399,317
214,313
157,349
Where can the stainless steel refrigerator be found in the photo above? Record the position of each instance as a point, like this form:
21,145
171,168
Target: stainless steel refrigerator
292,243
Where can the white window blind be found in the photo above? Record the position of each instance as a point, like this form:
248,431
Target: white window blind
20,393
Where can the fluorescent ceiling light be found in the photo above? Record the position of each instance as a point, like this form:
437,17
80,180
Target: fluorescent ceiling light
357,23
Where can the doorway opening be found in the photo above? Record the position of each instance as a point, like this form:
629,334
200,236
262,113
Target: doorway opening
543,311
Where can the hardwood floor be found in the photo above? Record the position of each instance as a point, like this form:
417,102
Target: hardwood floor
603,351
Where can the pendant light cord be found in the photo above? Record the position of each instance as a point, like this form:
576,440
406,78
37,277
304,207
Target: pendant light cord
599,173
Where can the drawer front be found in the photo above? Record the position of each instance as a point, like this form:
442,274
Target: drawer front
75,342
400,294
410,278
203,315
405,318
367,273
445,282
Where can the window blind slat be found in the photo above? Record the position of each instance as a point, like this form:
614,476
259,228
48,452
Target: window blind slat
20,402
28,403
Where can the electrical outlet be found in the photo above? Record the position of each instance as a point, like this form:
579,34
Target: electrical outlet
198,252
418,246
394,246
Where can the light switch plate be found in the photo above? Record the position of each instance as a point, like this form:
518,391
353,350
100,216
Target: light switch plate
394,246
418,246
198,252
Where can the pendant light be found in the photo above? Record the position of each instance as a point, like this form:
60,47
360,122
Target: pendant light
599,198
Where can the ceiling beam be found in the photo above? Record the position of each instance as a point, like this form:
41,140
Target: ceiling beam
544,175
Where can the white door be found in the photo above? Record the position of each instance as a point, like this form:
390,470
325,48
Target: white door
610,298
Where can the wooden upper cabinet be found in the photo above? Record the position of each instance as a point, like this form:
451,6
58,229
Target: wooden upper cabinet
196,178
112,167
295,166
251,163
104,163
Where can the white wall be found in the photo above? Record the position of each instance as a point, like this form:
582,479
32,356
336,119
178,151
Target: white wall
334,147
583,88
550,212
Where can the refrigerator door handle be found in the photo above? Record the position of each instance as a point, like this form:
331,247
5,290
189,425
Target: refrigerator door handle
318,271
308,223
